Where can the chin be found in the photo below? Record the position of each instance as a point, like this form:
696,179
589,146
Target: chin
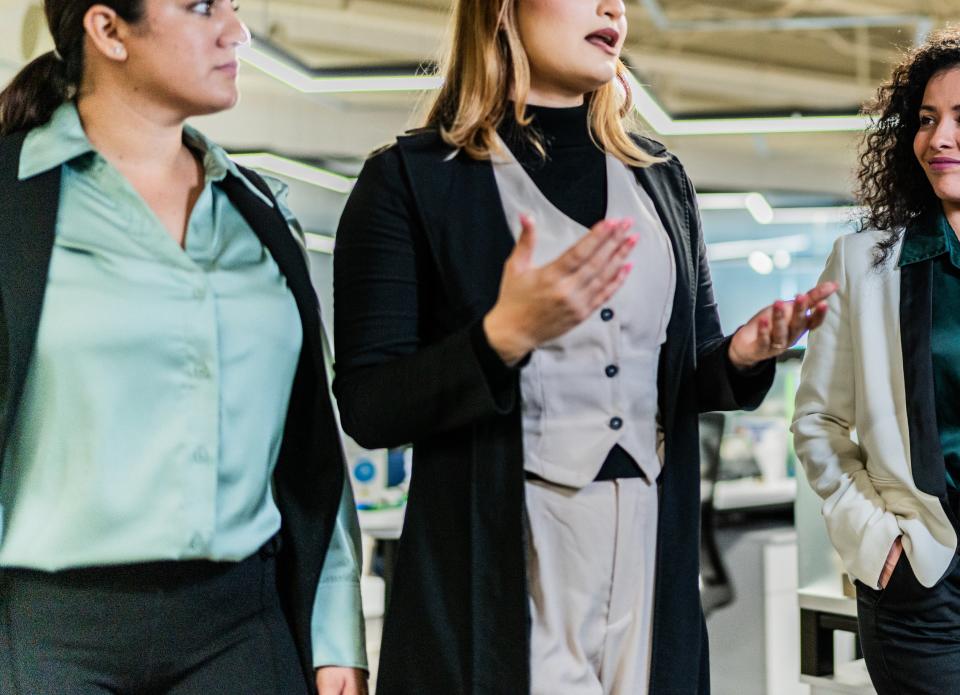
212,106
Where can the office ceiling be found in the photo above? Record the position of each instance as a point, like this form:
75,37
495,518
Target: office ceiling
699,57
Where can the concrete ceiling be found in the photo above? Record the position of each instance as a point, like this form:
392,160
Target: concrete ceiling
698,56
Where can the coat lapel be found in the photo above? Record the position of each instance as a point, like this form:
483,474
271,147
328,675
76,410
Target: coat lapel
471,240
28,218
916,319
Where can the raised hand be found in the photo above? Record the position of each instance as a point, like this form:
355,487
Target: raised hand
537,304
777,327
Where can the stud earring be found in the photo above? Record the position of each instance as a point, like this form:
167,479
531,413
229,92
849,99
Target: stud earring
118,50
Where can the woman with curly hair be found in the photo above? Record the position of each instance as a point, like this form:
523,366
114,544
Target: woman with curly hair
886,364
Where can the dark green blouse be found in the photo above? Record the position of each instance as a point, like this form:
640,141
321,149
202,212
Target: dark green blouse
937,241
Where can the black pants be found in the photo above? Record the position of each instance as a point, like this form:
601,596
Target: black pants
170,628
911,634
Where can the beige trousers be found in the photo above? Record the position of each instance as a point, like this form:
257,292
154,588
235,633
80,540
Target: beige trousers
591,555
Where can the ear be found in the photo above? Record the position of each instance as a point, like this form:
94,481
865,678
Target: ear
106,30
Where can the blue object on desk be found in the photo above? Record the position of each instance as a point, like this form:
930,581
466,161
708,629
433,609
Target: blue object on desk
395,470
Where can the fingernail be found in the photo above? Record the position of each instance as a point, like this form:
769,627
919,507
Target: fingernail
627,267
633,240
627,222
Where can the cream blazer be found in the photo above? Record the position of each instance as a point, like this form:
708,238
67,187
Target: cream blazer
851,426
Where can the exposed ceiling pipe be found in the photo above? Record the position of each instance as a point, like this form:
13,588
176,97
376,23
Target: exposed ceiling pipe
922,24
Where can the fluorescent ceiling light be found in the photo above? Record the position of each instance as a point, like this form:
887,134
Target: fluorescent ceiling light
840,214
296,170
645,104
760,262
764,213
295,77
737,250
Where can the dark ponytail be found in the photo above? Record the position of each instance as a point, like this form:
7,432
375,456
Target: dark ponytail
34,94
48,81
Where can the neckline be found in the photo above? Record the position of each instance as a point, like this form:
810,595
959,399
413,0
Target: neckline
559,128
508,159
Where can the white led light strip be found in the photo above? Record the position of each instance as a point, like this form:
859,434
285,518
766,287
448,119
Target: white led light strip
299,80
644,102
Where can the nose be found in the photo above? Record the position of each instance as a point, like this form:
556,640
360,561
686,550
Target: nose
946,135
235,32
614,9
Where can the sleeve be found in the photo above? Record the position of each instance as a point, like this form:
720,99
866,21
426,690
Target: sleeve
720,385
858,523
392,387
338,601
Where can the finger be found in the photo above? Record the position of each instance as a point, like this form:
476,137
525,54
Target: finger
763,335
798,316
600,236
817,316
619,243
611,287
612,267
822,291
778,330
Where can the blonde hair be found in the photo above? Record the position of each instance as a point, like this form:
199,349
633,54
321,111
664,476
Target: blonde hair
487,65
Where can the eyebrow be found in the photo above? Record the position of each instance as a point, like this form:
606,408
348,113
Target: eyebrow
927,107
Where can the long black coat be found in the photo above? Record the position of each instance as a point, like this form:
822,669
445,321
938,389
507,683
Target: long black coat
308,479
419,255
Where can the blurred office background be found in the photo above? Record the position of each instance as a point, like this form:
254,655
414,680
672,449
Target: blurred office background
759,98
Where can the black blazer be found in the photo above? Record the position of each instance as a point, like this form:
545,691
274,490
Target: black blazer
308,480
419,255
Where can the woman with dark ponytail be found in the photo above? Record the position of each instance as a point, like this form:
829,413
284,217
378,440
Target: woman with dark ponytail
174,515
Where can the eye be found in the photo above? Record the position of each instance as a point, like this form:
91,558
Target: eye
204,7
926,120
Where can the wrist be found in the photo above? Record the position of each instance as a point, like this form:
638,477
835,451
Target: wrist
509,345
736,359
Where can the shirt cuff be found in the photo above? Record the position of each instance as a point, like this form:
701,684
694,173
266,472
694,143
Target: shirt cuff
337,626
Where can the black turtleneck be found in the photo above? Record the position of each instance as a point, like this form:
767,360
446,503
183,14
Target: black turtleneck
573,176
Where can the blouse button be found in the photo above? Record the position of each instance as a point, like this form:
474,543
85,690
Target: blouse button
612,370
606,314
616,423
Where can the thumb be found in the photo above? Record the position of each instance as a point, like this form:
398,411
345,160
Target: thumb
523,252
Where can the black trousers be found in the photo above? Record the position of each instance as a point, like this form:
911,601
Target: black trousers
911,634
170,628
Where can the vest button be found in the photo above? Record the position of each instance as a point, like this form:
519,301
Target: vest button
606,314
616,423
612,370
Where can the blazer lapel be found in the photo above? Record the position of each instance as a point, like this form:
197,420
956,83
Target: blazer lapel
28,218
471,239
916,318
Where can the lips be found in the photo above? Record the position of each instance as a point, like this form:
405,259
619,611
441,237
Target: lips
943,163
607,39
231,68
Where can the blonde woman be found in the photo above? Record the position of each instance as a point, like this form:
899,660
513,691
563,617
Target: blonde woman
487,312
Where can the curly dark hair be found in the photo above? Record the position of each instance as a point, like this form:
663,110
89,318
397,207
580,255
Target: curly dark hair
892,186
